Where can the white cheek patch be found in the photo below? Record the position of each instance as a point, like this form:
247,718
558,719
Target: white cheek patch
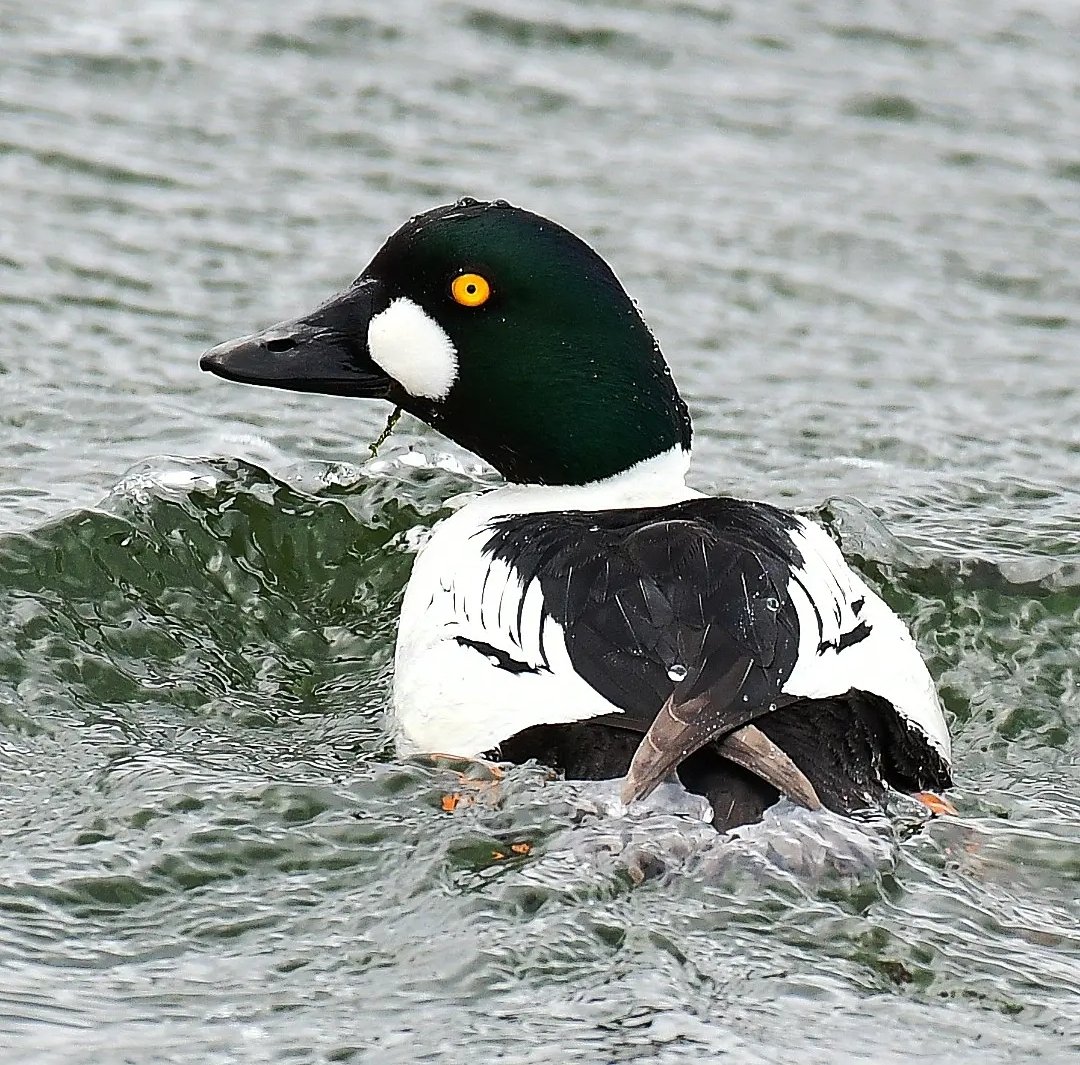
413,349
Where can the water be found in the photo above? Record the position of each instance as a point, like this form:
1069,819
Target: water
855,228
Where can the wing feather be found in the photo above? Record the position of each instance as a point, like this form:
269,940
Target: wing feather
667,601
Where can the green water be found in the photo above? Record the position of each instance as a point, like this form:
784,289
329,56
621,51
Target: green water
855,229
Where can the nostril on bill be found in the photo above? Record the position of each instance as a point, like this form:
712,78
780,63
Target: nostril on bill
280,344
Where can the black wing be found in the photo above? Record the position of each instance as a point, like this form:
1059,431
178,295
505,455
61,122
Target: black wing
687,601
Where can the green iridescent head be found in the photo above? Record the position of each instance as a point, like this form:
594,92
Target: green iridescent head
500,329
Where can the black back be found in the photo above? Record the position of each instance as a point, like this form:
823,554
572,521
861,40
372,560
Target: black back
690,599
696,591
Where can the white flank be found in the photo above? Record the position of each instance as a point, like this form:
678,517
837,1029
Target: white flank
406,342
885,663
449,697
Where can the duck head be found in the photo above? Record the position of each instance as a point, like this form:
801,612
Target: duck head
500,329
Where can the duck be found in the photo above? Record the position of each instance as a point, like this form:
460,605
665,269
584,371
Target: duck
594,612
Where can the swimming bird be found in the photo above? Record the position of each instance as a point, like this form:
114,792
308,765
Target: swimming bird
594,612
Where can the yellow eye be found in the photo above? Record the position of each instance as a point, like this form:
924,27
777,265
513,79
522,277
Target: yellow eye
470,290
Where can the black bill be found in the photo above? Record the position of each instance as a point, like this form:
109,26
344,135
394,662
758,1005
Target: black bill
324,351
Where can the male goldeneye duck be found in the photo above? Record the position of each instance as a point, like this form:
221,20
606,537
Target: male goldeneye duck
596,613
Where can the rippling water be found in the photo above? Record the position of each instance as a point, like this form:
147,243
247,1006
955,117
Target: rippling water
855,228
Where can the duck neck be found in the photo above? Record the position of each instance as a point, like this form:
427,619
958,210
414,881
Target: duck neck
653,482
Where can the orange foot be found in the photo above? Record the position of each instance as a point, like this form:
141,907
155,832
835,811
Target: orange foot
480,777
518,850
938,805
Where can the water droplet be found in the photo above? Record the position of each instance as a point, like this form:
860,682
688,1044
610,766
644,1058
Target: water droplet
677,672
772,604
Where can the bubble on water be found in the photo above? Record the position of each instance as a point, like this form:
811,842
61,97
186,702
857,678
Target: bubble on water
772,603
677,672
